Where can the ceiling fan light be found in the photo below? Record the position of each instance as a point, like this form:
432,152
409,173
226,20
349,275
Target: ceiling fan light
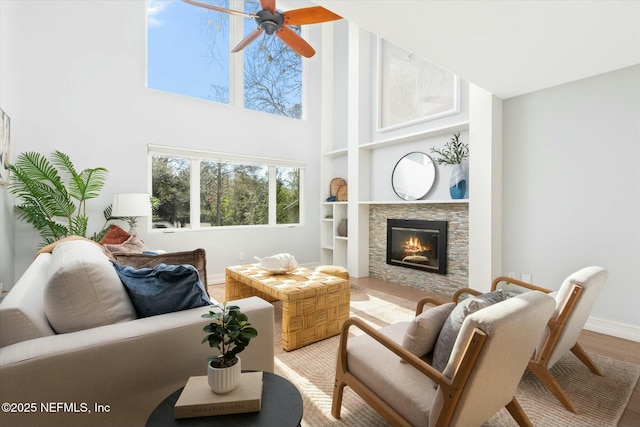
269,27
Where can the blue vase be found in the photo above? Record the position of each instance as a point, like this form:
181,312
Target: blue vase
458,182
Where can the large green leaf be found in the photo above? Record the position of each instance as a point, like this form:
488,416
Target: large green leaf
46,201
84,185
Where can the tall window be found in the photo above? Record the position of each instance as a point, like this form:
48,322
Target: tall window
198,189
188,52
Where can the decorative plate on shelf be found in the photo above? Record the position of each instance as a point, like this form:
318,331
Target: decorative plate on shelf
336,183
342,193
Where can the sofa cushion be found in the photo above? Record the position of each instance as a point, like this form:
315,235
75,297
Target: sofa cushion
451,327
163,288
196,258
422,332
83,291
398,384
51,246
23,307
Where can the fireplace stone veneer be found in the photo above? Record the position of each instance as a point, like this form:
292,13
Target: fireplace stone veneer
457,217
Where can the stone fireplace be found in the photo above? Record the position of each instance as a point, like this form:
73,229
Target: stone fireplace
456,215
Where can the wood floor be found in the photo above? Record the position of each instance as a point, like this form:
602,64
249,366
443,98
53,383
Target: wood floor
605,345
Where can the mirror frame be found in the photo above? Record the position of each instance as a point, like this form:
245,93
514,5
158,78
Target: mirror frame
400,172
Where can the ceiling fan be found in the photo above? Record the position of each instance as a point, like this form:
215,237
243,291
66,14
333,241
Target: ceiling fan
272,21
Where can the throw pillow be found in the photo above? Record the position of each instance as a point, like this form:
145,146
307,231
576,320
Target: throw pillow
132,245
83,291
115,236
163,288
422,333
451,327
197,258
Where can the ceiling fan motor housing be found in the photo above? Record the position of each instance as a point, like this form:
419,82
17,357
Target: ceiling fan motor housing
269,22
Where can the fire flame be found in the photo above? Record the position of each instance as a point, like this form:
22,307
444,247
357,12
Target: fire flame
414,245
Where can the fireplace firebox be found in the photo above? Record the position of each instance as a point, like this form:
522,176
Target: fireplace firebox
419,244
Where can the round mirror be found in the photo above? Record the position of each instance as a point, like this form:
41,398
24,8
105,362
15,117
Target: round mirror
413,176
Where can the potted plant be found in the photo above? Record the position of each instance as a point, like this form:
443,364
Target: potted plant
229,332
53,195
453,153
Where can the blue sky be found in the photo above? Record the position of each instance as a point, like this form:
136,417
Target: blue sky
178,48
189,50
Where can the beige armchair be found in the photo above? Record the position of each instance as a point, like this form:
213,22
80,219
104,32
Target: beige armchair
490,352
574,301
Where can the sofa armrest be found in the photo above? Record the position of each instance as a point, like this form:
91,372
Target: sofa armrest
130,366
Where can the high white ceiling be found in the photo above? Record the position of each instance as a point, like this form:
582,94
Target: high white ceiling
508,47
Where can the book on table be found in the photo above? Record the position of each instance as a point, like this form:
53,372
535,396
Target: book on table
198,400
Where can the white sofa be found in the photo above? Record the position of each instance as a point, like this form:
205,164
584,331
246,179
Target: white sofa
122,369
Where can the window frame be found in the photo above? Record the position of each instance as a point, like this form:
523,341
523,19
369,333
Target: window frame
196,156
236,64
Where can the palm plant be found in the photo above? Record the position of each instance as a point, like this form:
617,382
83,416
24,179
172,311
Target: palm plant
54,206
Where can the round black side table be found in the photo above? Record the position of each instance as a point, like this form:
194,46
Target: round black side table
281,406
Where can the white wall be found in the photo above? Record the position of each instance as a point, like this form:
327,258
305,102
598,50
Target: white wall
80,86
8,105
572,189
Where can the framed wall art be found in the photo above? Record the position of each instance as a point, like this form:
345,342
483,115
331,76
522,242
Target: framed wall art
412,90
4,147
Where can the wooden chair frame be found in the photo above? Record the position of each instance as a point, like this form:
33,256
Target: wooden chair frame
451,389
538,364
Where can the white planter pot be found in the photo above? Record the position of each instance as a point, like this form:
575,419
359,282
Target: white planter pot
223,380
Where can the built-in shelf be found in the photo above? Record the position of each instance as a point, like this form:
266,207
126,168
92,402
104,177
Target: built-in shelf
336,153
423,134
413,202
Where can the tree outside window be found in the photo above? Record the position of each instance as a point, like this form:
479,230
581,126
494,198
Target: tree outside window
230,193
170,186
189,54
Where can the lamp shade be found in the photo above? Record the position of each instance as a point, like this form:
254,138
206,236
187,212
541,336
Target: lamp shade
131,204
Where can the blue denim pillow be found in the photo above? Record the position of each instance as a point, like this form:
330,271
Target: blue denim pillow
163,288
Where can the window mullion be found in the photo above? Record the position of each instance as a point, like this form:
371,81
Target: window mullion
236,65
272,195
194,194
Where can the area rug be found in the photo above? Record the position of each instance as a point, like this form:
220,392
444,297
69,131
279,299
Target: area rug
600,400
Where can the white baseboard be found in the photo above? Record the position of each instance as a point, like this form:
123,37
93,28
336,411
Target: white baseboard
215,279
619,330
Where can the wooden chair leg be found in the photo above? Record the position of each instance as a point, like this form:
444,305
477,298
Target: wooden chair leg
518,414
336,405
545,377
584,358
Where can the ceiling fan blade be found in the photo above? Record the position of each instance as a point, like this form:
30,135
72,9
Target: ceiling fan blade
295,42
309,15
269,5
220,9
247,40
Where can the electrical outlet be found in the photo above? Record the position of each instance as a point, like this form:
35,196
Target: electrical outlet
241,256
526,277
